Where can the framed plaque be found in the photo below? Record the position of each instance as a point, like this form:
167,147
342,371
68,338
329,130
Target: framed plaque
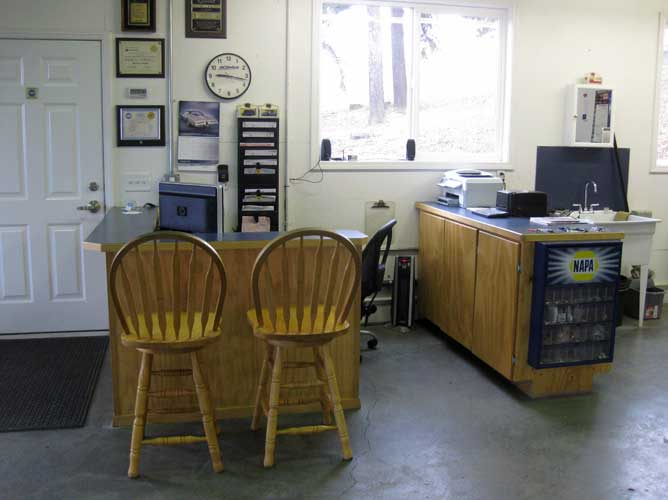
206,18
138,15
140,58
140,126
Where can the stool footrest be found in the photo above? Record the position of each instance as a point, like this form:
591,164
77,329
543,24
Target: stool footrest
298,364
309,429
297,401
172,393
173,411
174,440
173,373
302,385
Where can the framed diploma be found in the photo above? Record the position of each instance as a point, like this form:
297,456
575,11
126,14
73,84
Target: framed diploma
206,18
140,57
138,15
140,126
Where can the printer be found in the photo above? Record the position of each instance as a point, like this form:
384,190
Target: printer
469,188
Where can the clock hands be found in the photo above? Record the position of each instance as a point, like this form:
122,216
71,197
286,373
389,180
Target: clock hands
225,75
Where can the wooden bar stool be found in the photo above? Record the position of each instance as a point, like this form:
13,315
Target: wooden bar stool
164,310
303,287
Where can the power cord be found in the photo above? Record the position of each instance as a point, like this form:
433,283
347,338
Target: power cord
302,178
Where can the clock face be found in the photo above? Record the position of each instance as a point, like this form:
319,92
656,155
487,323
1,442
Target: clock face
228,76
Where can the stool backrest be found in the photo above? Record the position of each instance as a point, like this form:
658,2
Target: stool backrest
168,285
304,276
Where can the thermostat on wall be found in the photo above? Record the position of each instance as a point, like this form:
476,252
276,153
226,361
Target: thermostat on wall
137,93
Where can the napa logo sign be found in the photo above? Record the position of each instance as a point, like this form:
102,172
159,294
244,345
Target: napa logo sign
584,265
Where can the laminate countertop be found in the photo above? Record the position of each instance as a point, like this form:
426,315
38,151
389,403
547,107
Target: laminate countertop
514,228
117,228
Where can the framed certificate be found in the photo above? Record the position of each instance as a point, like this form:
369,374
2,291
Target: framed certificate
140,126
206,18
138,15
140,57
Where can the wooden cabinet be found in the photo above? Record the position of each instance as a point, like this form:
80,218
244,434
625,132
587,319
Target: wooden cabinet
447,275
472,287
458,281
495,313
430,267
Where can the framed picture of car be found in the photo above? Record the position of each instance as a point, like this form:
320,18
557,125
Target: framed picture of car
199,119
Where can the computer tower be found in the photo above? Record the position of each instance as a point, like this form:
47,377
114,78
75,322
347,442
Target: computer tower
403,293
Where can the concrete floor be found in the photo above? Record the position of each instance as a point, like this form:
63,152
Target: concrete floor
435,423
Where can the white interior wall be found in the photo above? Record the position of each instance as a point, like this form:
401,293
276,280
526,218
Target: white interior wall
555,43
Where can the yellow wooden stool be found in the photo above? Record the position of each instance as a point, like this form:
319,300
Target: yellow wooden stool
164,311
294,308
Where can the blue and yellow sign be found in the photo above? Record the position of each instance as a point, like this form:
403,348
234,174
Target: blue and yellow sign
570,265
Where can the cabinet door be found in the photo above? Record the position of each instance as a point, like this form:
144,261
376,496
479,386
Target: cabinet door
496,302
459,269
430,267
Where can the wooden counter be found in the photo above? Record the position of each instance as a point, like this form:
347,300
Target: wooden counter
233,364
476,278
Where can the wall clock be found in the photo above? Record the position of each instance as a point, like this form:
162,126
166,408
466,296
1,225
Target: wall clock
228,76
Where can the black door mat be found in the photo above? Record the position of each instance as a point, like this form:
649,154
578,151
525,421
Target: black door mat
48,383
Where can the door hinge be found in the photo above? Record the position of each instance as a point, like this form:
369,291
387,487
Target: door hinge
514,360
519,268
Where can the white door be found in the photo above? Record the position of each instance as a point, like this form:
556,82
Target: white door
50,153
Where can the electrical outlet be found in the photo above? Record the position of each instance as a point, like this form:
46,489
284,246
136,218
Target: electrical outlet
137,182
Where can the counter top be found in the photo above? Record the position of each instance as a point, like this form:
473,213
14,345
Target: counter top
514,228
116,229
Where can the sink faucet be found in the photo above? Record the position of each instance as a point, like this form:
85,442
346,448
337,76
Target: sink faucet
593,183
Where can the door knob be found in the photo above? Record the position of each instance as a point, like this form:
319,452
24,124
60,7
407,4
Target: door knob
92,207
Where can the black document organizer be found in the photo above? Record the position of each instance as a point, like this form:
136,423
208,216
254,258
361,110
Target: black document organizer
258,165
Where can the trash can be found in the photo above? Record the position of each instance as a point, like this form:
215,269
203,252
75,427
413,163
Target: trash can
653,303
622,291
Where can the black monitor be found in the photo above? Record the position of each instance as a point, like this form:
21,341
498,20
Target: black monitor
562,173
193,208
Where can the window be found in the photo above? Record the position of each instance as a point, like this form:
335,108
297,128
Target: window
662,94
436,74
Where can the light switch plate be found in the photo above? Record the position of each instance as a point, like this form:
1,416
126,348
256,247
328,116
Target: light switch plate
134,182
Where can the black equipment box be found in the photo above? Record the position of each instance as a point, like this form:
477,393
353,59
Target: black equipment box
403,294
522,203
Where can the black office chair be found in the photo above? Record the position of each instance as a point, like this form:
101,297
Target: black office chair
373,271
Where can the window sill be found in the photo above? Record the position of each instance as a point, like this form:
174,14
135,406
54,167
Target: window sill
409,166
659,169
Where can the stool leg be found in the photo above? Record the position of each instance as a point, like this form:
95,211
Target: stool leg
336,402
264,372
324,398
141,408
208,420
272,418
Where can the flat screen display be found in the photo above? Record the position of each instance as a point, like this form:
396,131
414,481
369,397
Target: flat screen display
563,172
188,207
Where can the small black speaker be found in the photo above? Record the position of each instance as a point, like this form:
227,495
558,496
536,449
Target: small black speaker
410,149
325,150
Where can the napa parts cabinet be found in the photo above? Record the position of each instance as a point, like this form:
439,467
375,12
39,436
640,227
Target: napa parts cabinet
573,313
476,283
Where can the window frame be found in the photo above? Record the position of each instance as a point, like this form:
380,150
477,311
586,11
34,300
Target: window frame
500,160
657,166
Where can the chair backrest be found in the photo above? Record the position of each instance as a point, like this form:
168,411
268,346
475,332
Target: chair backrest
168,286
306,280
372,263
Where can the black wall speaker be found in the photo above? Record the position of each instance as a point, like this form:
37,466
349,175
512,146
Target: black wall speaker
410,149
325,150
